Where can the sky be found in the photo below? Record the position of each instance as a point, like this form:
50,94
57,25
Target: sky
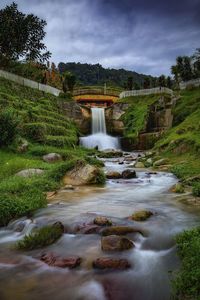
144,36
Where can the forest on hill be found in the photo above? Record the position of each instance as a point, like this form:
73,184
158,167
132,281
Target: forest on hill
89,74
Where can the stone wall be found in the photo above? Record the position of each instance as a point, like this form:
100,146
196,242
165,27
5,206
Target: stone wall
194,82
157,90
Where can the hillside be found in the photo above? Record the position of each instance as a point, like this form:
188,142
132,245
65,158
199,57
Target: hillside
88,74
40,127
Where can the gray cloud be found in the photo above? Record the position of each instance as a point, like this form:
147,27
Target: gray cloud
141,35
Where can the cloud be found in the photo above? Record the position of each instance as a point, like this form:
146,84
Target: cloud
141,35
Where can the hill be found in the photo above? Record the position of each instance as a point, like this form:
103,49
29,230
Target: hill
88,74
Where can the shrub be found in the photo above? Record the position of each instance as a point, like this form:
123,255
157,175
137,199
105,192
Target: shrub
35,131
9,122
42,237
196,189
186,283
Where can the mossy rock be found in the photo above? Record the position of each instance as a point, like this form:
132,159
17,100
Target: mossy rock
141,215
42,237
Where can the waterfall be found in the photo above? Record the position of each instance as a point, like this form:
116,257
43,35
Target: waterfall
99,137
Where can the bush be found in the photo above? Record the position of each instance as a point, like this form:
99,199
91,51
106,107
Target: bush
35,131
186,283
196,189
9,122
61,141
42,237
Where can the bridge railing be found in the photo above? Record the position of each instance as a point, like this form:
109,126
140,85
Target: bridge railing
157,90
96,91
30,83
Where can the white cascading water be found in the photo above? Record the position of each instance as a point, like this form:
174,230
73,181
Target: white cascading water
99,138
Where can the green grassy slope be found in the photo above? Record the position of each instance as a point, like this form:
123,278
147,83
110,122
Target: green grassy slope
41,119
47,130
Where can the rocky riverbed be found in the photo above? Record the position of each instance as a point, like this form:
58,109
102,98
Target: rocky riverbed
117,241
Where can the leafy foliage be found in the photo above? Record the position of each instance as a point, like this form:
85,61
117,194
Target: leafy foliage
25,32
186,282
8,126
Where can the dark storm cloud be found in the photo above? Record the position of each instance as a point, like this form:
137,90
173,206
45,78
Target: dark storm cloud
141,35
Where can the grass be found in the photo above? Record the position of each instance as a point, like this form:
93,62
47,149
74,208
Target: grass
136,115
186,283
42,237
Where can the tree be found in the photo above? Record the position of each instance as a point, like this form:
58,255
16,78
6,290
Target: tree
21,36
147,83
162,81
196,63
169,82
187,69
174,71
68,82
130,83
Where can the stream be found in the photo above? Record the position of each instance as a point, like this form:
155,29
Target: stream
23,276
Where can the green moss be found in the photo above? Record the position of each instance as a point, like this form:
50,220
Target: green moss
135,117
186,282
40,238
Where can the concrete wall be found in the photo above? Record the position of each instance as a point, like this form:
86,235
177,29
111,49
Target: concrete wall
157,90
194,82
30,83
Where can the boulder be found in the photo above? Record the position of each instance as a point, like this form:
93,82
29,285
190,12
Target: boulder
113,175
82,174
68,187
53,260
128,174
116,243
89,229
141,215
139,164
52,157
119,230
111,263
160,162
30,172
102,221
51,195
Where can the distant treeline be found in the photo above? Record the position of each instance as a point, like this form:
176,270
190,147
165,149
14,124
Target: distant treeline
88,74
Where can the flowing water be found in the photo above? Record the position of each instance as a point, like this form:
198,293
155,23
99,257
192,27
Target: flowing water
23,276
99,137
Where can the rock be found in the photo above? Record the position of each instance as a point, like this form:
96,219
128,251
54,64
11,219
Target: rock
151,173
139,165
119,230
108,153
149,161
82,174
102,221
116,243
113,175
141,215
111,263
52,157
88,229
60,225
121,161
160,162
165,168
53,260
68,187
51,195
177,188
30,172
128,174
23,147
20,226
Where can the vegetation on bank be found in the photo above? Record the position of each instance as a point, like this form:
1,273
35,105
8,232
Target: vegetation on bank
186,283
136,115
41,237
31,117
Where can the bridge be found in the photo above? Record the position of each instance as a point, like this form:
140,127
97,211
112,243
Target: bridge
99,96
